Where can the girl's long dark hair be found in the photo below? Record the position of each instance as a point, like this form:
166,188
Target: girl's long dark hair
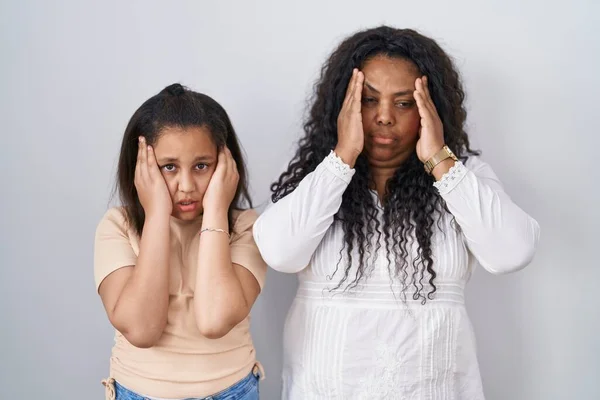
176,106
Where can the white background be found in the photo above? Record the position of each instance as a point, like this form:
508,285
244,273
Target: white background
73,72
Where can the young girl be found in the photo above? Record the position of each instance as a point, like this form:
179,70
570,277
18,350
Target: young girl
383,213
176,266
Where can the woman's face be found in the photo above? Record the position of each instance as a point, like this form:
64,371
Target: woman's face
390,117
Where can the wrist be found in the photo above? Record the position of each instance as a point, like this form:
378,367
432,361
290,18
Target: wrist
348,156
441,157
442,168
431,152
215,217
157,217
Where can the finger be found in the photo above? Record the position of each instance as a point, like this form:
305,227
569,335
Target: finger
235,175
422,101
233,170
230,170
357,95
350,88
224,159
232,164
424,111
427,93
228,155
139,156
139,152
234,167
224,153
350,82
354,95
152,163
221,160
144,160
425,84
143,151
420,87
419,97
429,99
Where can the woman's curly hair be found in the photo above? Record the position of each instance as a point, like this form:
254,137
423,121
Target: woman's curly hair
411,201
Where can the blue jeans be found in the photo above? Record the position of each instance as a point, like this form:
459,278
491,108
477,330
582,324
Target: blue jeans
246,389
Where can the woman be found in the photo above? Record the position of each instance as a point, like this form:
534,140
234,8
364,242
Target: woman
383,213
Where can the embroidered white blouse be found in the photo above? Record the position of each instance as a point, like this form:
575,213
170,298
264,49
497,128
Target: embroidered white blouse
372,342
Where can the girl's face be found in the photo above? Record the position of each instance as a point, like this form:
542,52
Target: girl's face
187,159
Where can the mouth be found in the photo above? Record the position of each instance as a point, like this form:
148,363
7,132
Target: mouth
187,205
382,139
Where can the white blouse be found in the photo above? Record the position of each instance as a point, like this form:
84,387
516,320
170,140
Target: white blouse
372,341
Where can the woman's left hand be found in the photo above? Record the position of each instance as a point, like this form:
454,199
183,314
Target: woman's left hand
431,133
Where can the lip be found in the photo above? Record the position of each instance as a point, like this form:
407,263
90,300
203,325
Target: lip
382,139
190,205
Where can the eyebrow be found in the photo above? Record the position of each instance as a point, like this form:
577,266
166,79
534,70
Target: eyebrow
175,159
400,93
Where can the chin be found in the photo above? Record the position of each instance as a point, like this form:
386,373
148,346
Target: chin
381,154
187,216
387,156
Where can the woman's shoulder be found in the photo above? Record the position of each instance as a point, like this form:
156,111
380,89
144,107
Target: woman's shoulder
480,167
474,161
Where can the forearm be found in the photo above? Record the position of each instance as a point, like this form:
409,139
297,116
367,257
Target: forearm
289,231
500,234
219,300
141,310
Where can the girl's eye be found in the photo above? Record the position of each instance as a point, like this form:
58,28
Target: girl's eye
168,167
201,166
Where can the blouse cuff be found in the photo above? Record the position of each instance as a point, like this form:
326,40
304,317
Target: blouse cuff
338,167
451,178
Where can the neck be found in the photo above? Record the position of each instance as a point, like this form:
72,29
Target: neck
381,171
379,177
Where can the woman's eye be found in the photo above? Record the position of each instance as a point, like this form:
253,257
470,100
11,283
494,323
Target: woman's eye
368,100
404,104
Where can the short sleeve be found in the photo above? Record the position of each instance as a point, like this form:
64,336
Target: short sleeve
244,251
112,248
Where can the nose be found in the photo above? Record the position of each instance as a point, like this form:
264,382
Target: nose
186,182
385,115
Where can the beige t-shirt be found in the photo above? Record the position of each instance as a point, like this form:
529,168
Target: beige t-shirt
183,363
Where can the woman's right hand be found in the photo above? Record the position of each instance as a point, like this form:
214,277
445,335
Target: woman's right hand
150,185
351,138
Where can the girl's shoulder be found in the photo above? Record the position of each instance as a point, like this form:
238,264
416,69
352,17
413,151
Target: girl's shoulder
243,220
115,216
114,221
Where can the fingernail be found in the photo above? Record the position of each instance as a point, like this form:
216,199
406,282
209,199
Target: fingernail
149,148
